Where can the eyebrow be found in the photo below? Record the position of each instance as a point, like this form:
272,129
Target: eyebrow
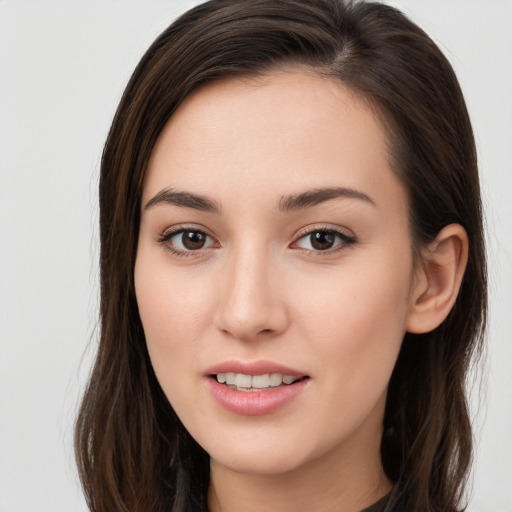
288,203
320,195
184,199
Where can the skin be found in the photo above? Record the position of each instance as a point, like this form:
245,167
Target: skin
259,290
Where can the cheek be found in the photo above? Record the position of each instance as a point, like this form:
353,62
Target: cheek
173,313
357,326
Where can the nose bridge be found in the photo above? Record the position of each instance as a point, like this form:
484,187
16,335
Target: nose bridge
249,303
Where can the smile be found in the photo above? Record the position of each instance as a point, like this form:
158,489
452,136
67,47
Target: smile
255,388
243,382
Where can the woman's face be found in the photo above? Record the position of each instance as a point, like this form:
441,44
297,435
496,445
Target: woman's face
274,243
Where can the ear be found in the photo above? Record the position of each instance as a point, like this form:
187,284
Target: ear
438,279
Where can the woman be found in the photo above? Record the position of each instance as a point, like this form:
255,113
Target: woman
292,269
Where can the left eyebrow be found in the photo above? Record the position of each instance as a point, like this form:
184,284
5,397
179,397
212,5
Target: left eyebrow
320,195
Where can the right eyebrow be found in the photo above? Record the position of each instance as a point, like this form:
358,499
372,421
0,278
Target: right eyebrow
184,199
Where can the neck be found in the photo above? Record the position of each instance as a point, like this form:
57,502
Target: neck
335,482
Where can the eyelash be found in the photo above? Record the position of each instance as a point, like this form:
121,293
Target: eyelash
167,236
344,240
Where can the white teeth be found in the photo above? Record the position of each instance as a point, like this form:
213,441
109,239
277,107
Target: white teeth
246,382
261,381
276,379
243,381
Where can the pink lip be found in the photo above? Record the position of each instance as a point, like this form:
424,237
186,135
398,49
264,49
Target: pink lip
254,403
253,368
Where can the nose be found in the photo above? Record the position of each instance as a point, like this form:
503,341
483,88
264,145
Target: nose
251,301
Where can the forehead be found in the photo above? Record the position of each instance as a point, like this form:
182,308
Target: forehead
283,131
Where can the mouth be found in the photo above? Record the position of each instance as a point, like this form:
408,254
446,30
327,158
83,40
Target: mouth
255,383
253,388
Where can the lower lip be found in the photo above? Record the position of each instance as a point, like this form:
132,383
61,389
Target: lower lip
254,403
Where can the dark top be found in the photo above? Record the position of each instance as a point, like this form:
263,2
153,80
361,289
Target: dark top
380,506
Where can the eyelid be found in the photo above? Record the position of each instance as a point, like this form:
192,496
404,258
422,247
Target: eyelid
172,231
312,228
347,239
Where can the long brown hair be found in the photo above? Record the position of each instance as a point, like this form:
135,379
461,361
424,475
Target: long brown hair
133,453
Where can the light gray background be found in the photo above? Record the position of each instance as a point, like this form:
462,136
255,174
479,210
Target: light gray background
63,66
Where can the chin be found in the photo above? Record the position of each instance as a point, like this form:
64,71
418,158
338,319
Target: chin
261,457
258,465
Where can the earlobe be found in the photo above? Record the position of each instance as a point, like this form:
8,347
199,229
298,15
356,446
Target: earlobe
438,281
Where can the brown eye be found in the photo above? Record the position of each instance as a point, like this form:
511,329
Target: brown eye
186,240
193,240
322,240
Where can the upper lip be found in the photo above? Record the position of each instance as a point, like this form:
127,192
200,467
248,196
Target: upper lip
260,367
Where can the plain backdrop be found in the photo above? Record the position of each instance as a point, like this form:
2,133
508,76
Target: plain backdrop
63,66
